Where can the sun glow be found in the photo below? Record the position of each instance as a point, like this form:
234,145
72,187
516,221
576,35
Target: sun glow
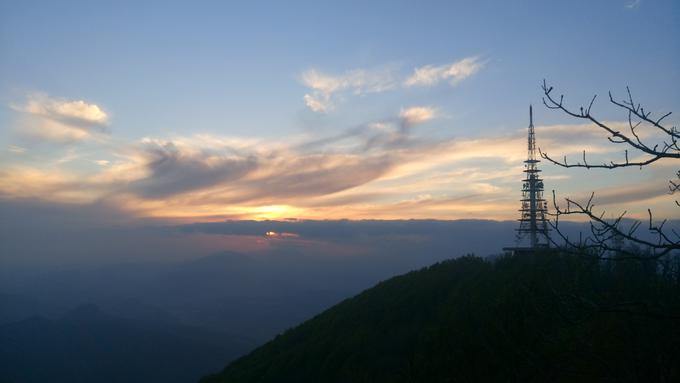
275,212
282,235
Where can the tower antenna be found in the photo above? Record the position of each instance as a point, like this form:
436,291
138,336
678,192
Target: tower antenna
534,208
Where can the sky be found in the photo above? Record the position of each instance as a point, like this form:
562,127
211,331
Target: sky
205,111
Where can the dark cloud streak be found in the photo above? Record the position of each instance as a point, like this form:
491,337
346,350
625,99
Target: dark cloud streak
174,172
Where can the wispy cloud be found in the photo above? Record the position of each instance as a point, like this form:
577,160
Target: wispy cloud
632,4
625,194
23,182
417,114
77,110
59,119
455,72
326,89
358,81
16,149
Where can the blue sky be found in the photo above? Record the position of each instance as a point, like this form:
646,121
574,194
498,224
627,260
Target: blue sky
220,89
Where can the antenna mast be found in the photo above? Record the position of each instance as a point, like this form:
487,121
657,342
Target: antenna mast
533,222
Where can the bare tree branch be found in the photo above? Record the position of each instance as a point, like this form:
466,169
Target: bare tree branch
668,149
604,231
606,235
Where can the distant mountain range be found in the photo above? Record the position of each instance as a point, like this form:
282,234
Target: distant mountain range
241,299
87,345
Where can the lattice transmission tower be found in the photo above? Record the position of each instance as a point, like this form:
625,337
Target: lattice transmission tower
533,222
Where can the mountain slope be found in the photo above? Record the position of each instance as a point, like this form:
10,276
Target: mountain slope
524,318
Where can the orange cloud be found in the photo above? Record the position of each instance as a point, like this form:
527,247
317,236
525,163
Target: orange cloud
61,120
368,172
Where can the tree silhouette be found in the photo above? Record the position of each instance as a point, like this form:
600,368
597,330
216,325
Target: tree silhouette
607,235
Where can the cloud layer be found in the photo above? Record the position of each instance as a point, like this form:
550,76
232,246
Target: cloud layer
387,168
382,169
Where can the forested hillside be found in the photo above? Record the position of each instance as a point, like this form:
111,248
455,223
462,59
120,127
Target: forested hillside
543,317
